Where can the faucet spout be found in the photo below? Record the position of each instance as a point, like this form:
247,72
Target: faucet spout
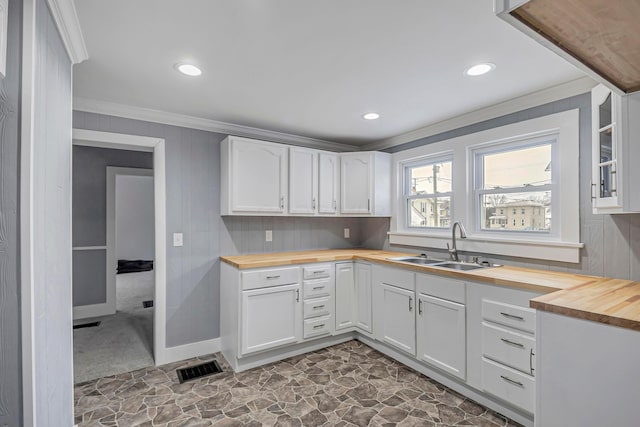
453,250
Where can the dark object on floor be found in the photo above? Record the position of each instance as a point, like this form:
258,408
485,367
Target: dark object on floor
198,371
87,325
147,304
129,266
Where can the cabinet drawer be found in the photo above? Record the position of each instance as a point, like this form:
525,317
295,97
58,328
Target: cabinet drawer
317,326
512,349
441,287
317,271
317,307
510,315
507,384
272,277
317,288
404,279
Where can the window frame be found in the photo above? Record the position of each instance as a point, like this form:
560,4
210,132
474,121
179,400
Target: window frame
566,247
476,175
422,161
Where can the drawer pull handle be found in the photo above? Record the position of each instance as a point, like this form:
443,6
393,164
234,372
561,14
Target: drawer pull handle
281,202
297,295
273,277
517,344
318,287
318,326
510,381
419,306
318,307
318,272
511,316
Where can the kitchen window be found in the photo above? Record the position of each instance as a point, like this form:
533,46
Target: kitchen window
517,176
428,182
530,167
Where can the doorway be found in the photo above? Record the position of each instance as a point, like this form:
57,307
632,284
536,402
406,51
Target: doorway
132,327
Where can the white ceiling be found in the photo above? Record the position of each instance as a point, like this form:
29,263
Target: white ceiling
310,68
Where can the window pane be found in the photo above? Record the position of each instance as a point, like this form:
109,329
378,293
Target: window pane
430,179
518,168
430,212
516,211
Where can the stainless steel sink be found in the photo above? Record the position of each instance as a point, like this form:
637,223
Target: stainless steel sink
453,265
417,260
463,266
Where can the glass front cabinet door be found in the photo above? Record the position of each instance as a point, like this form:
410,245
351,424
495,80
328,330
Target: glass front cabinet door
612,178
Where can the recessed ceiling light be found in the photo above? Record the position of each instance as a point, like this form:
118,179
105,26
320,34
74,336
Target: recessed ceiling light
479,69
371,116
188,69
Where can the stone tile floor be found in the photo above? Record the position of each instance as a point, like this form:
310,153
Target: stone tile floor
344,385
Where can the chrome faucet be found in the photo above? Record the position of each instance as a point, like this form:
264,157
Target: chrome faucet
453,251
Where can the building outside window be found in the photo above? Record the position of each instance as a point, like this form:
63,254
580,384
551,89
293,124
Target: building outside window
427,192
516,178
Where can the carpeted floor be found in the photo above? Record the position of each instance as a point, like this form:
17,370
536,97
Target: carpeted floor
124,341
344,385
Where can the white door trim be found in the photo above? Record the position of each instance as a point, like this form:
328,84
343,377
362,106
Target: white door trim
157,146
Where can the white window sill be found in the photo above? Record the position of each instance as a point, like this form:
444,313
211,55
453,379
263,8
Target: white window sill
536,249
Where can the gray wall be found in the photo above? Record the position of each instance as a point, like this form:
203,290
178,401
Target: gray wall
51,240
135,229
193,208
612,242
90,216
10,354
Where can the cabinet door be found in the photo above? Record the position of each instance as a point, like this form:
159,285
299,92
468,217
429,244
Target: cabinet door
441,334
328,177
355,182
398,322
270,317
363,297
258,176
303,180
605,133
345,296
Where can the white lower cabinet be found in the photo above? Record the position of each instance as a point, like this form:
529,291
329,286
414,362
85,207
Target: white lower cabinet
364,317
508,384
345,296
353,297
441,334
270,317
397,318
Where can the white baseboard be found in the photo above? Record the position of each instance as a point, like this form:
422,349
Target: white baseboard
93,310
187,351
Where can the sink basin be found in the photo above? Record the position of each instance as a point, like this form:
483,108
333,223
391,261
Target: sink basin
417,260
460,266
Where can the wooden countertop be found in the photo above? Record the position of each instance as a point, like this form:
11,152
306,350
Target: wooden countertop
611,301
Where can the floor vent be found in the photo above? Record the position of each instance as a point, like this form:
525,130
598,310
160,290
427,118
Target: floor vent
198,371
147,304
86,325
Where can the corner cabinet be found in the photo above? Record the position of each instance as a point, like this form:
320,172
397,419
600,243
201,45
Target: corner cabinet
615,131
253,177
303,180
365,183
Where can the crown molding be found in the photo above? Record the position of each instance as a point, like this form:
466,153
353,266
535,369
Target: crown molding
66,19
156,116
534,99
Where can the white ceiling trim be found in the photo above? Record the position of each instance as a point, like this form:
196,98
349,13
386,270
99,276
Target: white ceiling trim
156,116
66,19
544,96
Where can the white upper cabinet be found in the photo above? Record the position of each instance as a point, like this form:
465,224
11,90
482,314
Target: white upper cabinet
615,145
365,183
303,181
328,178
253,177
